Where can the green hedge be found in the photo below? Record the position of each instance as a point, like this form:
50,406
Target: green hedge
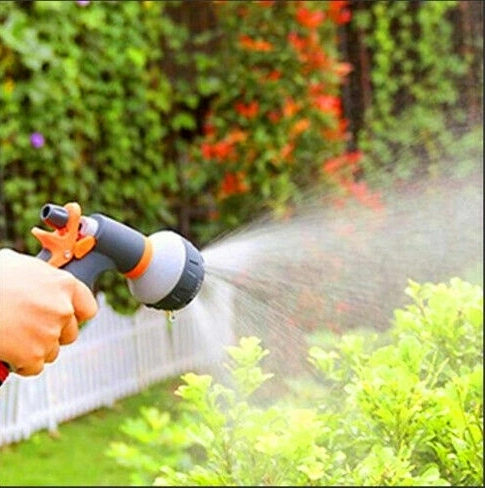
88,82
93,111
120,107
424,66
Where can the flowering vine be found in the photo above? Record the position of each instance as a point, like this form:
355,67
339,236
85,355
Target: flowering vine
278,122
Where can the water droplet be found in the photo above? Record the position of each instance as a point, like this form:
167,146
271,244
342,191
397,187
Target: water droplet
170,315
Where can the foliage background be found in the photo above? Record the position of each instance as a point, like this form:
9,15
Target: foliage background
197,116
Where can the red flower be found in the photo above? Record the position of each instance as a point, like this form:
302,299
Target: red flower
206,150
209,129
347,160
329,104
298,43
233,183
361,192
342,307
333,165
220,151
249,110
251,44
275,75
344,17
315,59
274,116
316,89
338,12
353,157
308,18
336,5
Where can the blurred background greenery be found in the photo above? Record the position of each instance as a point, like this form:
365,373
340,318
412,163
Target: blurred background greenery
197,116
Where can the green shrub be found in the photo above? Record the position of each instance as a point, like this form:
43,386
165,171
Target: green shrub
97,107
402,408
278,117
86,112
418,118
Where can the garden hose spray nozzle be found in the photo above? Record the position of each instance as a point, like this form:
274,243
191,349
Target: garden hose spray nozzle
164,270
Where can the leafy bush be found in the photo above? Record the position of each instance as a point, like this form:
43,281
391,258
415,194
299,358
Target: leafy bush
92,111
97,107
417,122
278,117
404,408
86,112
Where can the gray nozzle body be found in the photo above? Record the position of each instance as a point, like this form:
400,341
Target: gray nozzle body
174,275
122,244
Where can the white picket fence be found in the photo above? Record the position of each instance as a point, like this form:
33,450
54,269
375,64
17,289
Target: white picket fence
115,356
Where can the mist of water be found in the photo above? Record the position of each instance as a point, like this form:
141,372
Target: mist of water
336,267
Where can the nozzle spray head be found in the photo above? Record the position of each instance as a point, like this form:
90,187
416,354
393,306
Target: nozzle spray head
174,275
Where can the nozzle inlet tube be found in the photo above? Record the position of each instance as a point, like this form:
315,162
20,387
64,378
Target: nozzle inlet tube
54,215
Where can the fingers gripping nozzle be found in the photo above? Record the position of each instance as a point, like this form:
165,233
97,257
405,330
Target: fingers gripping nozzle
164,270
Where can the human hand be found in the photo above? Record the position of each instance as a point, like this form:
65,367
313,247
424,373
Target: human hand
41,308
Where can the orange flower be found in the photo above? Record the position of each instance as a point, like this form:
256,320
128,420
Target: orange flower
236,135
286,150
300,126
343,69
290,107
251,44
308,18
338,133
328,103
249,110
233,184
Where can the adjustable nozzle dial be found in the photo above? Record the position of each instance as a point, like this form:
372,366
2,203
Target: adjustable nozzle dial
174,275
